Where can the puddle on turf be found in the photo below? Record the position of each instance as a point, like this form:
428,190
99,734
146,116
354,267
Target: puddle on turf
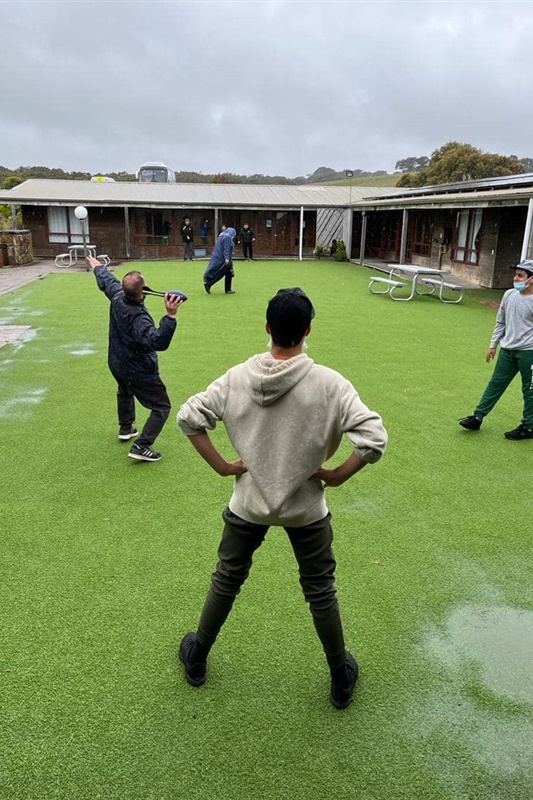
482,702
84,349
19,407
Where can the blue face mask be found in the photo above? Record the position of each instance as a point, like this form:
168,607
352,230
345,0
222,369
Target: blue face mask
520,285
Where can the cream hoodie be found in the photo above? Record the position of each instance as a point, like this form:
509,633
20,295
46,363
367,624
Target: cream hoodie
284,419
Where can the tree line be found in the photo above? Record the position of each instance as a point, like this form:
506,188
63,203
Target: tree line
450,163
10,178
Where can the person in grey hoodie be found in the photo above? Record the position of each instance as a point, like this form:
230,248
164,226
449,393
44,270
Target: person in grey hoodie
285,416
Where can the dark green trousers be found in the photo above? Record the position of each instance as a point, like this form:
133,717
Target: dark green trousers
312,546
508,364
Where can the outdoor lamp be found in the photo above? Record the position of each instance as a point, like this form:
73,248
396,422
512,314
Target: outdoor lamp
80,212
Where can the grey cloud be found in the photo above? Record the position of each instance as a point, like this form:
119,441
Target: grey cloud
272,87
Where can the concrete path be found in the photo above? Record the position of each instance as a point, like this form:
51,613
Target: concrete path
12,278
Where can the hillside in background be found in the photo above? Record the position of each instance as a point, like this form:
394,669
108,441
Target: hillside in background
12,177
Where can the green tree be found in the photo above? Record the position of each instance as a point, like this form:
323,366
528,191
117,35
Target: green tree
412,164
12,181
455,162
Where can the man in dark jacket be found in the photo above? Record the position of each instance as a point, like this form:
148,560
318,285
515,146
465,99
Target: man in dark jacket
187,235
221,262
132,357
246,236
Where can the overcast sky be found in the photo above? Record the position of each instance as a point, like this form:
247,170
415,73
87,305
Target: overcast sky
274,87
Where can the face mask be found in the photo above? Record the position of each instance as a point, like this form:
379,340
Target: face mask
520,285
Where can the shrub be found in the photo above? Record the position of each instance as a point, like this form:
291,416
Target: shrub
320,251
340,253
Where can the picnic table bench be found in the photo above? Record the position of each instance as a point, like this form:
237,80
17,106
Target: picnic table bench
425,281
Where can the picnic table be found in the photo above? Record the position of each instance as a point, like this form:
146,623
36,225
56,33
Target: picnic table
77,252
425,281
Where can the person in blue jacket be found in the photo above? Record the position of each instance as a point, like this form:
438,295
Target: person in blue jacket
221,262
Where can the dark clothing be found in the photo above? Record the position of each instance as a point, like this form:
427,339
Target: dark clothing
132,357
133,337
152,395
312,546
220,264
246,236
187,235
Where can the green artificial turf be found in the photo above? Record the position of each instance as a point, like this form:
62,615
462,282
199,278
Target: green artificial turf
105,563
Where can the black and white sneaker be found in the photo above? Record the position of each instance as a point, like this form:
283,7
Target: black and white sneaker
128,432
144,453
207,287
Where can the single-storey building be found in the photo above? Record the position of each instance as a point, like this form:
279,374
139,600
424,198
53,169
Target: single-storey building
475,230
130,220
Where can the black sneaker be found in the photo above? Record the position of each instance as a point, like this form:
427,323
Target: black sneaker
128,432
144,453
342,689
471,423
207,288
519,433
196,674
230,291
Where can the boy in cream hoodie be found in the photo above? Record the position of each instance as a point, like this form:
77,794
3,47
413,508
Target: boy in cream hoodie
285,416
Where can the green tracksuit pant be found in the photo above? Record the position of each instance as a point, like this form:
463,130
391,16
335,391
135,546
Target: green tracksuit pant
508,364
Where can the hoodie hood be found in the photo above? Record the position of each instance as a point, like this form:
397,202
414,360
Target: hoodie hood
269,378
229,232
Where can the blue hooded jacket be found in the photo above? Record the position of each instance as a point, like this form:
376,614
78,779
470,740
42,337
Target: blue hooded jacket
223,248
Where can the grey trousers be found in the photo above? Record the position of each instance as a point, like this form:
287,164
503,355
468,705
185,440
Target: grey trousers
312,546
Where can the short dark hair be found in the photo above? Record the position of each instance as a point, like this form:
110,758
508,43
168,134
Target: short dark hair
289,314
133,284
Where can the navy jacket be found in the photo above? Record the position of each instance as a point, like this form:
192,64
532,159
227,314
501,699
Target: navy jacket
133,336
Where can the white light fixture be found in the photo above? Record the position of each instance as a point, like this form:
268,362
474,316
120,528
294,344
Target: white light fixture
80,212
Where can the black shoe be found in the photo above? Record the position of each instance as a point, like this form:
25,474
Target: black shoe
471,423
519,433
196,674
342,688
127,432
230,291
144,453
207,288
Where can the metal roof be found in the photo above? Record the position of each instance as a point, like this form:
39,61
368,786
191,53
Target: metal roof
47,192
497,197
501,182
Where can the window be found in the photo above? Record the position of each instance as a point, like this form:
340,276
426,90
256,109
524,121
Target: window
421,235
154,224
64,226
467,237
153,175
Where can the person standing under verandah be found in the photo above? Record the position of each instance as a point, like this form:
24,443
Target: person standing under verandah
247,238
187,235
